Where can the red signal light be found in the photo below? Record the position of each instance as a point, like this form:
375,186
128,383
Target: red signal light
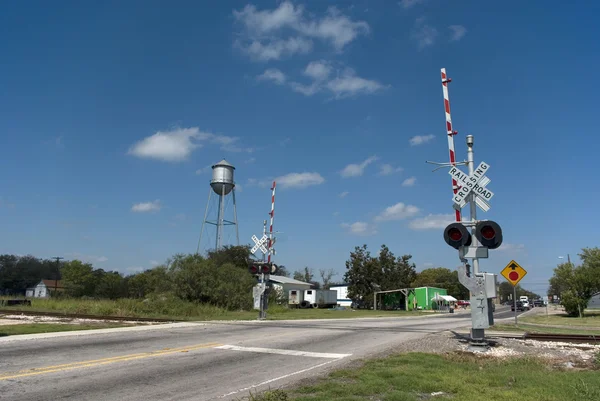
253,269
488,232
455,234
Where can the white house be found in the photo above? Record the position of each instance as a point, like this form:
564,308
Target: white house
594,302
342,294
283,285
43,289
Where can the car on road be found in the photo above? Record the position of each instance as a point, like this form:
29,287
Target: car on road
519,305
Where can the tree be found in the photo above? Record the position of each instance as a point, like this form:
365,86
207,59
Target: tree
443,278
237,255
306,275
326,276
362,272
576,285
197,279
282,271
559,282
78,278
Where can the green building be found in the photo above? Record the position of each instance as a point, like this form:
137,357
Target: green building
421,298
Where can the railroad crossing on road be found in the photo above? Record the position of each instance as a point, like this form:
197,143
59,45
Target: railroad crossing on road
475,184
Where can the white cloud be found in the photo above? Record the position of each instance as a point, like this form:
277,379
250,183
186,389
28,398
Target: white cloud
387,169
177,145
425,35
86,258
180,217
409,182
398,211
251,160
276,49
458,32
145,207
318,70
345,84
359,228
154,263
238,188
349,84
204,170
506,247
274,75
420,139
432,221
356,170
263,26
409,3
299,180
343,194
336,213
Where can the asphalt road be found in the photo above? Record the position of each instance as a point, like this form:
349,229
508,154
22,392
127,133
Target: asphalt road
196,361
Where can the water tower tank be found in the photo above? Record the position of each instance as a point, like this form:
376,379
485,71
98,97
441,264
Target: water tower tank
222,178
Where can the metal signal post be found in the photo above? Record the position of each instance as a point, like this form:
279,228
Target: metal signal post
472,238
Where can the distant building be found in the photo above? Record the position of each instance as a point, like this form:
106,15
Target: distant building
424,298
283,285
342,294
43,289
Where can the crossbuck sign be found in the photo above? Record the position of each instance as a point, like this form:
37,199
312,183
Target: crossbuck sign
260,243
475,184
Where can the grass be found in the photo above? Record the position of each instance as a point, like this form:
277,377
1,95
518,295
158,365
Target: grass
590,319
459,376
174,308
35,328
521,328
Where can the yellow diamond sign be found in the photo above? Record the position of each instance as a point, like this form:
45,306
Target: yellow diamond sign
513,272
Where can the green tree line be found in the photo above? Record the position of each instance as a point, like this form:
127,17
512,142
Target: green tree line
575,285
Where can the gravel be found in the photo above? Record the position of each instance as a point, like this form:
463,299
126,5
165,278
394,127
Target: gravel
558,353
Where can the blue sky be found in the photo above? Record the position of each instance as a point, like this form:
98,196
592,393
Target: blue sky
108,105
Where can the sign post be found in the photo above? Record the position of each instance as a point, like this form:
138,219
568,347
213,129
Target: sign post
513,273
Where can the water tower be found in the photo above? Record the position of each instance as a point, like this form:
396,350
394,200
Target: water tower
221,195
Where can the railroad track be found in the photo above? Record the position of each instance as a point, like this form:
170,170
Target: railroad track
567,338
82,316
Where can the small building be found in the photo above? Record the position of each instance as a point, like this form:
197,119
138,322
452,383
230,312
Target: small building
423,298
342,294
283,284
44,288
594,301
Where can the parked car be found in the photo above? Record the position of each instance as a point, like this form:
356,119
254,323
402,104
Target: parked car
519,305
538,303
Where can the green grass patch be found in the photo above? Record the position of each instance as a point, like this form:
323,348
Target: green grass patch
460,376
35,328
177,309
591,319
521,328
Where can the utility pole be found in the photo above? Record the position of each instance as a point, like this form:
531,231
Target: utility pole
58,259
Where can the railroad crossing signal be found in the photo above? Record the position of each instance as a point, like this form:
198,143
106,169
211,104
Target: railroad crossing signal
259,243
487,232
262,268
513,272
475,183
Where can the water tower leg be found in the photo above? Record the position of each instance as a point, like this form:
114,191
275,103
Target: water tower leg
220,218
235,220
204,221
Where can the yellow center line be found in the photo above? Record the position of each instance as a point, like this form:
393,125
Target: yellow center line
103,361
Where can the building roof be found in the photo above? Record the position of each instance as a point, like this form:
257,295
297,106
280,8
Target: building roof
339,285
54,283
287,280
